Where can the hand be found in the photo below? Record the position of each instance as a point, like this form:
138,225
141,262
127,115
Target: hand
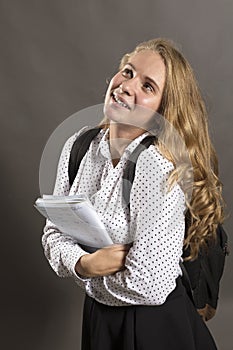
207,312
105,261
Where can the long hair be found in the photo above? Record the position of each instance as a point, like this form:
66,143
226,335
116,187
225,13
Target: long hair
183,107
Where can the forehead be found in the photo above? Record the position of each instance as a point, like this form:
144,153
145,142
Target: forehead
150,64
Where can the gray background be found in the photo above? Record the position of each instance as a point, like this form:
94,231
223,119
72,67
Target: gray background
55,59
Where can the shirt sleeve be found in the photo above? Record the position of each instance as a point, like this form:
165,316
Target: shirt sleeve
157,224
62,251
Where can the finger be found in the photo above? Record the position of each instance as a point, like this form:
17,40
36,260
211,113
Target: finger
126,247
114,246
129,245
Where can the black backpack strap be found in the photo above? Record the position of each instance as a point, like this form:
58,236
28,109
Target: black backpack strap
206,270
129,171
212,264
78,151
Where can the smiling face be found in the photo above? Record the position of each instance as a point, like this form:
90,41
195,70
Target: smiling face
135,92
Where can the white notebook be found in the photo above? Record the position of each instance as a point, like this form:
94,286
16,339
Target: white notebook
76,217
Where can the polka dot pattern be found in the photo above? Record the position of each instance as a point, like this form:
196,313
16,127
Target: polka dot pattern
155,223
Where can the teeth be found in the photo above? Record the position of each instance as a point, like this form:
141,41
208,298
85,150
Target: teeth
120,102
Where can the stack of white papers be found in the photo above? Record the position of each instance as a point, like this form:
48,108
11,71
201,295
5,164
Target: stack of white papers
76,217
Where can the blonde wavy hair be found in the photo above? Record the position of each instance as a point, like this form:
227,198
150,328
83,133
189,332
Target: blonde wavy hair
183,107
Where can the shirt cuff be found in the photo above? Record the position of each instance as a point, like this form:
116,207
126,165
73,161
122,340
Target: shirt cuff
73,262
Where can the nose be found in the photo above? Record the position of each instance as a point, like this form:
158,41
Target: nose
128,87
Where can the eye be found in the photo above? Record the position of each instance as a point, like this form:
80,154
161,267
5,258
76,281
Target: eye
127,72
148,87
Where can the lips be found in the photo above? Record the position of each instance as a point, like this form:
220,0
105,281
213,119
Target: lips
120,100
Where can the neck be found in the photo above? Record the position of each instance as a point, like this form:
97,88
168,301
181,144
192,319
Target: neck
120,136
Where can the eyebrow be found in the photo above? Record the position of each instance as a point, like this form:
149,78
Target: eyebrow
147,78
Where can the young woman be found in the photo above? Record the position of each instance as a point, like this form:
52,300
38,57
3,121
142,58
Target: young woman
134,295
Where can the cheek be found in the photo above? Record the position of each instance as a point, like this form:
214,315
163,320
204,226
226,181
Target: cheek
152,102
114,82
108,91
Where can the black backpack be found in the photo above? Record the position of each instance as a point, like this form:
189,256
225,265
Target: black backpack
201,277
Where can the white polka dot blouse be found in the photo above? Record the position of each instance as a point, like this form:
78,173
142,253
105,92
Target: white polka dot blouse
155,223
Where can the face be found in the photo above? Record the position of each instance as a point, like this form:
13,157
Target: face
135,92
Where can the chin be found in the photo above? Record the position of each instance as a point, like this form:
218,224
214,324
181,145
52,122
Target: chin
115,114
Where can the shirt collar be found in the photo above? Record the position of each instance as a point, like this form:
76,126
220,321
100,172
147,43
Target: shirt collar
103,147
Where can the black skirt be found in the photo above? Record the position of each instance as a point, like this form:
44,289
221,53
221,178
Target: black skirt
174,325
